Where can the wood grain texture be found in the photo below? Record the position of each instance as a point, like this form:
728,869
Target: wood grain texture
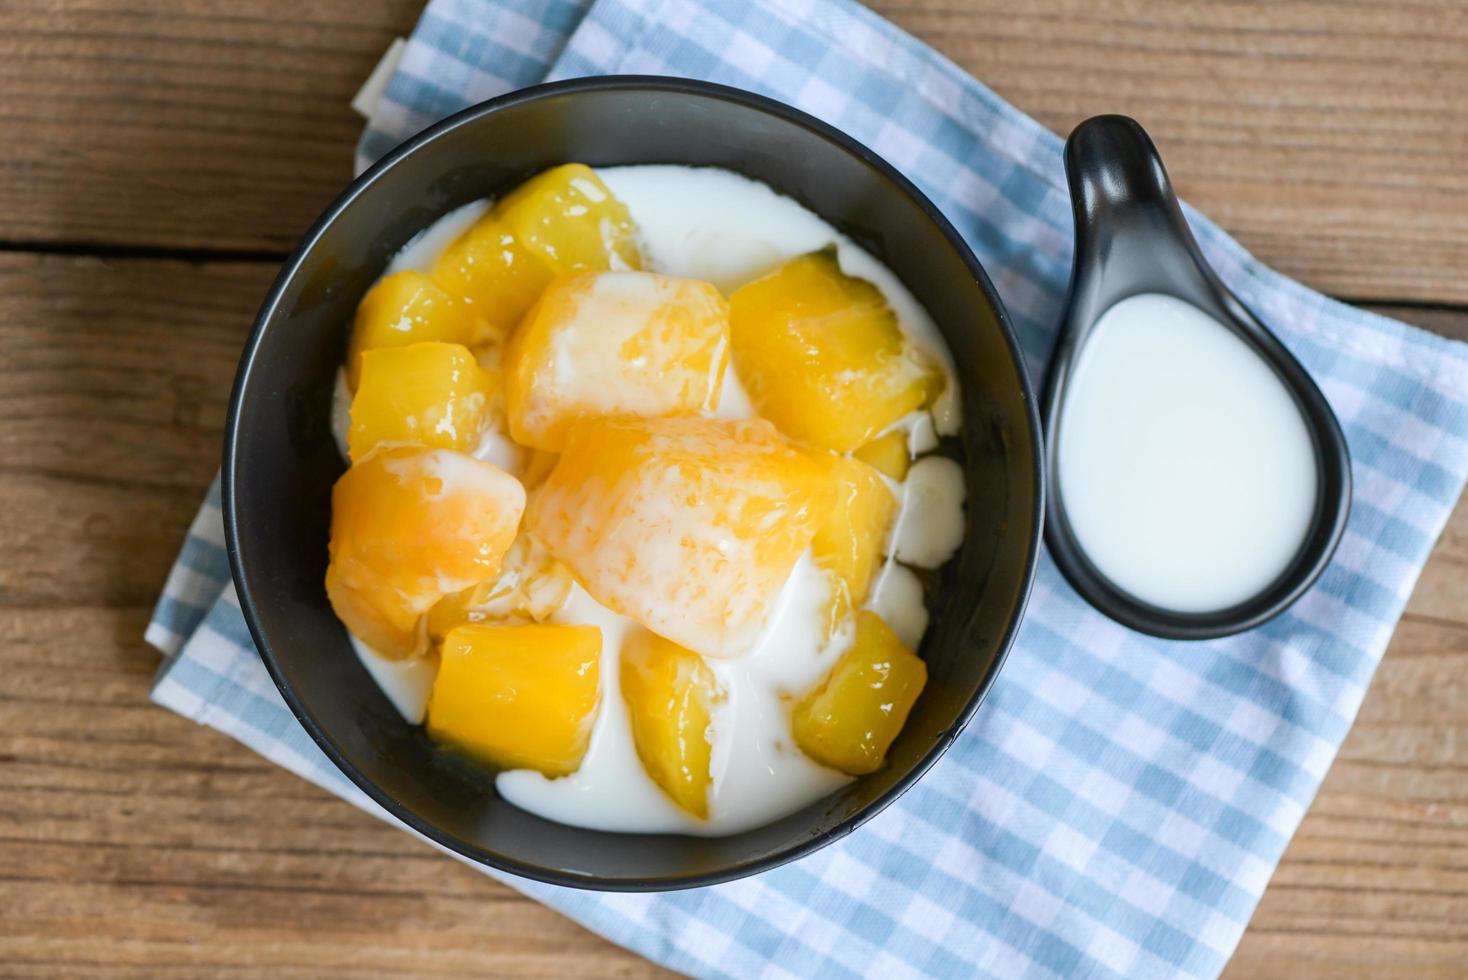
133,843
1329,136
200,124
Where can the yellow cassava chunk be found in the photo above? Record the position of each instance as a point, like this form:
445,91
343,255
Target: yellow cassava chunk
822,356
569,219
428,394
518,697
410,525
670,694
406,308
887,454
688,525
852,539
492,274
614,344
559,222
531,585
850,719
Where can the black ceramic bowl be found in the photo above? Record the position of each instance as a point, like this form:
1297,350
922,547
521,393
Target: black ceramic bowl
280,461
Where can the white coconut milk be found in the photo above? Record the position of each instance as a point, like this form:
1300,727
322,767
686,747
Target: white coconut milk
1186,470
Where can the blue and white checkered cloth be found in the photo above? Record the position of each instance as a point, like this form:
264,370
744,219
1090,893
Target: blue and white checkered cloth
1118,804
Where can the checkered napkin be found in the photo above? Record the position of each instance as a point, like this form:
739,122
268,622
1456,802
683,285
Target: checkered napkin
1119,802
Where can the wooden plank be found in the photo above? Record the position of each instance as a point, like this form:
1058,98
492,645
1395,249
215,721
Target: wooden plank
1375,883
1444,320
1328,136
112,397
201,124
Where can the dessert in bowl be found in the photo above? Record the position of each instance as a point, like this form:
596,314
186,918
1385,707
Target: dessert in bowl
671,582
693,495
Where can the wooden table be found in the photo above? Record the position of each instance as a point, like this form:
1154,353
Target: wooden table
157,160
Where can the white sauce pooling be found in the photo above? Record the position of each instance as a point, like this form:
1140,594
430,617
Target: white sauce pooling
407,683
758,773
932,506
727,229
1187,471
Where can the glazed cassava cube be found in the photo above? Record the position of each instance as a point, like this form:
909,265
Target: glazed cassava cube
670,694
557,223
822,356
688,525
406,308
568,219
410,525
851,718
492,274
427,394
852,540
614,344
518,696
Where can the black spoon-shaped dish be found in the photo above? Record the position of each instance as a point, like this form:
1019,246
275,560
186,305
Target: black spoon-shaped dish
1131,238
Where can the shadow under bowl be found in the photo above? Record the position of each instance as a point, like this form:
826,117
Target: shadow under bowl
280,460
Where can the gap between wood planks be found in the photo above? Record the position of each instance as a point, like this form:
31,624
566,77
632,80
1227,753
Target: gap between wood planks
109,250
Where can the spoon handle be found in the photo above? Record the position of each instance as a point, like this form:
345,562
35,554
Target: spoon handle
1130,230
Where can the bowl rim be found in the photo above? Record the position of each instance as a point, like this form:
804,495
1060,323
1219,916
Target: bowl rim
270,307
